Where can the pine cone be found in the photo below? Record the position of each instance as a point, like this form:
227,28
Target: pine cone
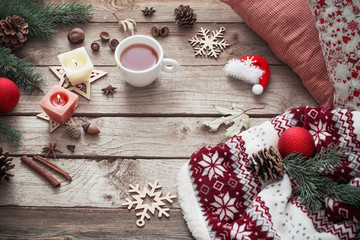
267,164
13,32
184,16
5,165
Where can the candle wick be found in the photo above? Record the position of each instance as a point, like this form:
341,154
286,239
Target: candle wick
74,61
58,97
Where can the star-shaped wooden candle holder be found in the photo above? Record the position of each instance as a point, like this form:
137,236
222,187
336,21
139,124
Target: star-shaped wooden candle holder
81,89
52,124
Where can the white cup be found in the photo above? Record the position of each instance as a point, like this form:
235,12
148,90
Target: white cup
144,77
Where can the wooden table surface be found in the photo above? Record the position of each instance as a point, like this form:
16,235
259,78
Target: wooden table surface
147,133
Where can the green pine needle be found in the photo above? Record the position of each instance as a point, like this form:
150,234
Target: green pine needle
20,71
314,186
69,13
12,135
43,18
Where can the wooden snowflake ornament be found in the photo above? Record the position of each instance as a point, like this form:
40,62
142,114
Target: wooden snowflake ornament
139,200
209,45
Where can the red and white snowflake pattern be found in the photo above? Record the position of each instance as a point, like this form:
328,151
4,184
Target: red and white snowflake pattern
228,195
338,25
212,165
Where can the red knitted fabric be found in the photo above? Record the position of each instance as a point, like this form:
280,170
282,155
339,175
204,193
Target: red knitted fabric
221,199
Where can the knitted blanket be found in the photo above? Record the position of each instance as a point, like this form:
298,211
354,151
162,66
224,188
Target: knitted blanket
220,199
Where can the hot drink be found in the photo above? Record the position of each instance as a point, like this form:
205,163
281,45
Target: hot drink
141,59
138,57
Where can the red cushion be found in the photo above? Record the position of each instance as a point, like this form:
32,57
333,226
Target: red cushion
288,26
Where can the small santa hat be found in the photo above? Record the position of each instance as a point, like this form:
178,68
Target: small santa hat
252,69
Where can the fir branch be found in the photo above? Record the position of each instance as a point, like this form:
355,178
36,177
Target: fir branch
40,25
43,18
20,71
314,186
346,193
69,13
12,135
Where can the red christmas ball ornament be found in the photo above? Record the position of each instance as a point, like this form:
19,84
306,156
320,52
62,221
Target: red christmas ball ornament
9,95
296,139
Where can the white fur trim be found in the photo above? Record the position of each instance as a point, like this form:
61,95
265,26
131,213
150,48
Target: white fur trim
257,89
189,205
240,70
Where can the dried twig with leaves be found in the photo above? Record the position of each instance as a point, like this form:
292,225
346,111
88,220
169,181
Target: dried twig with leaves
236,116
127,24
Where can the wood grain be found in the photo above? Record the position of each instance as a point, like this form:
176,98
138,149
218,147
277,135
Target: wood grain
191,91
96,182
87,223
243,42
164,10
121,137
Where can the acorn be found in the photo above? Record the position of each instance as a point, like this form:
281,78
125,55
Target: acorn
90,129
76,35
113,44
95,46
105,36
164,31
155,31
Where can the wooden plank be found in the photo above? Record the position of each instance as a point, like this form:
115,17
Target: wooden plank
191,91
215,11
87,223
121,137
96,183
242,39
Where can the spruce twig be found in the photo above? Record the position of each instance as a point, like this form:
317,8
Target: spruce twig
69,13
40,25
314,186
43,18
12,135
19,70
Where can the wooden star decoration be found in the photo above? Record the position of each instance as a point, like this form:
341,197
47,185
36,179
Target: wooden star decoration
52,124
81,89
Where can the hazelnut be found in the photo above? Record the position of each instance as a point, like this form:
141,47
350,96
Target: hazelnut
95,46
76,35
113,44
105,36
155,31
164,31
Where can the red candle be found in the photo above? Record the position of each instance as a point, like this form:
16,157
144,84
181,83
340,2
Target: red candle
59,104
59,99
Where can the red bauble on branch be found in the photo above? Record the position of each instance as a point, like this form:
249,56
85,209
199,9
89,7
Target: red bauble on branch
296,139
9,95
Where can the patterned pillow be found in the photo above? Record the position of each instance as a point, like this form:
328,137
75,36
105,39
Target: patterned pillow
338,25
289,28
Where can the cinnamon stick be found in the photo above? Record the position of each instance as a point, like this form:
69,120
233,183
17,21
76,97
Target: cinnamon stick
42,172
53,166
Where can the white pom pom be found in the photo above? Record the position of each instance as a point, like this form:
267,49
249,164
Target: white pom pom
257,89
248,73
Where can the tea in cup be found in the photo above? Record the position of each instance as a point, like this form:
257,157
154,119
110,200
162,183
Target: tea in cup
140,59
